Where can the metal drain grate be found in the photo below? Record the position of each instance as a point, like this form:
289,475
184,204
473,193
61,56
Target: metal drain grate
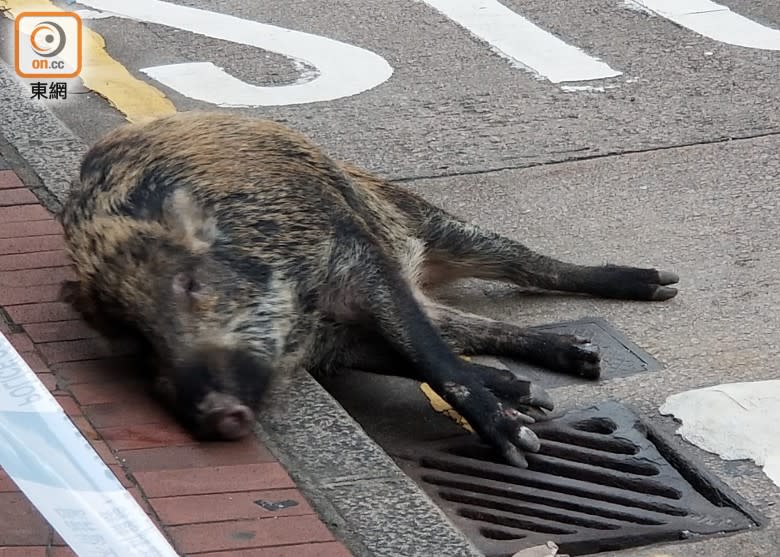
598,483
619,356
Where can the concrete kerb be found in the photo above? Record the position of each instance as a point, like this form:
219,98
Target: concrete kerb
47,147
355,486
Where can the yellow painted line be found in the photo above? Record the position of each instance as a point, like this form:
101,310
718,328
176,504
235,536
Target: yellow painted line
134,98
440,405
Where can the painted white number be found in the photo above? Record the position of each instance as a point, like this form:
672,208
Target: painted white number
523,43
715,22
341,70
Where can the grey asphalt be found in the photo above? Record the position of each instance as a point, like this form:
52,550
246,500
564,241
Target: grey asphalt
677,167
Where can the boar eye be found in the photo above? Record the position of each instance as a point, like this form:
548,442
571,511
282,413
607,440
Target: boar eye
191,285
184,283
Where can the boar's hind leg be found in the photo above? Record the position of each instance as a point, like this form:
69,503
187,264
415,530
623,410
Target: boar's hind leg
457,249
474,334
496,404
466,334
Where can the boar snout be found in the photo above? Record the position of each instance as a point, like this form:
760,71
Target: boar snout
224,417
215,393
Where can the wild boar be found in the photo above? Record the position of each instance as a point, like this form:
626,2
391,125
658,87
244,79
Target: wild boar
236,250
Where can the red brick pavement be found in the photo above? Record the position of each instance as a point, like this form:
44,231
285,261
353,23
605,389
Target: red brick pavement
204,497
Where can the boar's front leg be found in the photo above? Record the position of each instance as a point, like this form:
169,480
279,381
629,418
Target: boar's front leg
367,287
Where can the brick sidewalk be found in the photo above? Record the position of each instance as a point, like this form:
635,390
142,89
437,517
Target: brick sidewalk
207,498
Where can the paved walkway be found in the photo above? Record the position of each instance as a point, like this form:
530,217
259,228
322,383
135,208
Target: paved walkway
207,498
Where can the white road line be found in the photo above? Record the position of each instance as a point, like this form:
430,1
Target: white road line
340,69
523,43
715,21
62,475
734,420
587,88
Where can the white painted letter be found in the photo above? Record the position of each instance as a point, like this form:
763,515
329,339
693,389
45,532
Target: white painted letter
523,43
342,70
715,22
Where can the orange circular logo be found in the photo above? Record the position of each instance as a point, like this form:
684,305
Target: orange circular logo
47,39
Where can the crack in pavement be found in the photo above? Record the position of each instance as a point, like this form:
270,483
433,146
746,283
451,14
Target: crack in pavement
584,158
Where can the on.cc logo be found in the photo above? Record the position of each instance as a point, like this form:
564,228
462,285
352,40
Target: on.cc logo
48,39
47,45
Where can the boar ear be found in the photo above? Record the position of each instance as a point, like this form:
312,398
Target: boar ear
190,222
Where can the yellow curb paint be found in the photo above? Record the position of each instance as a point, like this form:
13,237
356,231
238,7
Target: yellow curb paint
134,98
440,405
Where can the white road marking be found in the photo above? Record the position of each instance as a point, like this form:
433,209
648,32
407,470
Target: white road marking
524,44
342,70
587,88
715,21
734,420
331,69
636,7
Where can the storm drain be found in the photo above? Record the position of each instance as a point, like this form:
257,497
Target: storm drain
620,357
603,480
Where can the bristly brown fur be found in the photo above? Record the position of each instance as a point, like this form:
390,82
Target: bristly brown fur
237,249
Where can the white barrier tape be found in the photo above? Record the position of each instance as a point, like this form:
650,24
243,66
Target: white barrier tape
62,475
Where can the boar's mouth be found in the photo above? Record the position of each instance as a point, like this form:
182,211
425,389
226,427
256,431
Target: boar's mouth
215,394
